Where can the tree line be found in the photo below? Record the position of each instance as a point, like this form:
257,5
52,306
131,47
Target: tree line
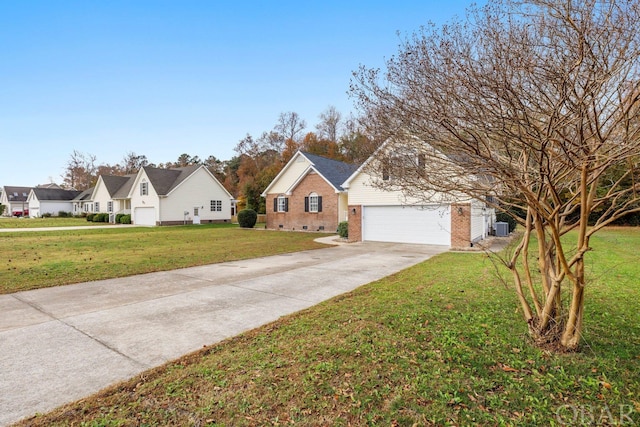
256,162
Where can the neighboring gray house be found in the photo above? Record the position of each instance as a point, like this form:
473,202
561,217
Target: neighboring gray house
51,201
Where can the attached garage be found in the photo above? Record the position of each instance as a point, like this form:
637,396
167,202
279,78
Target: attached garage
144,216
430,225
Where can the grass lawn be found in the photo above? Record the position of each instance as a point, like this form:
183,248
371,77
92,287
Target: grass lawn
441,343
45,222
37,259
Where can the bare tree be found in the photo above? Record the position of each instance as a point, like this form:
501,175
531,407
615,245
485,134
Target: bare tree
132,163
329,126
538,103
80,171
290,126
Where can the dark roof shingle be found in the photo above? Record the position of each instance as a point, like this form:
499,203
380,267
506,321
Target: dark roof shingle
335,171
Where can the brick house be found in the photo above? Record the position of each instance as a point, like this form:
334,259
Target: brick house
307,194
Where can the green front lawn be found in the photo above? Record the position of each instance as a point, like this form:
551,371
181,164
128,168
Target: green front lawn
45,222
30,260
442,343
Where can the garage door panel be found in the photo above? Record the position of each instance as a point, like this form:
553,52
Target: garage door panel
144,216
407,224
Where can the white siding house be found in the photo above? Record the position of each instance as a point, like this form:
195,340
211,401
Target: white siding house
380,213
176,196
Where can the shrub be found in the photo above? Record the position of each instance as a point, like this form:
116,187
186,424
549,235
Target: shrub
2,207
125,219
118,217
90,217
247,218
502,216
46,215
343,229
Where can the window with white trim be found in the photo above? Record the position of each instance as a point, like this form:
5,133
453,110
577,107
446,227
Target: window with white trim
97,207
313,202
282,204
144,188
109,206
216,206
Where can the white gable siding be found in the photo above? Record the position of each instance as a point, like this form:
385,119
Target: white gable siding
198,190
289,176
150,200
101,196
362,192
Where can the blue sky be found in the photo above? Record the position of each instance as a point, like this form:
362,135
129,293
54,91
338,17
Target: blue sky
162,78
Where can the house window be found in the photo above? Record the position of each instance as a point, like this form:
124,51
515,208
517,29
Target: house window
97,207
109,206
313,203
216,206
196,212
281,204
144,188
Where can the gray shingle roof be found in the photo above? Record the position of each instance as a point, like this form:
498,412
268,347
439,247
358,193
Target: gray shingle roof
335,171
113,183
17,194
55,194
85,195
165,180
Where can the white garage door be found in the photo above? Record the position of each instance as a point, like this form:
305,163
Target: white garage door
430,225
144,216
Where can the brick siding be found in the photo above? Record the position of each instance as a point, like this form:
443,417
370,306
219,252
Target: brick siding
460,225
296,218
355,223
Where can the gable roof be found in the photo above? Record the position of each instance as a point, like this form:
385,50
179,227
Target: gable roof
17,194
113,182
54,194
165,180
333,171
84,195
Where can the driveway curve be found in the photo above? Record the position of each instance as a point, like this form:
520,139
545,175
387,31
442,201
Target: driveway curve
60,344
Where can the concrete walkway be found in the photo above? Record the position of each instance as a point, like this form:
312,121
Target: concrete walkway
60,344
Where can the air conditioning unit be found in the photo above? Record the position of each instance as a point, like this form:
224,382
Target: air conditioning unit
502,229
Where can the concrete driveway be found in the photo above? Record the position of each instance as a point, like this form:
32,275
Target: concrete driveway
60,344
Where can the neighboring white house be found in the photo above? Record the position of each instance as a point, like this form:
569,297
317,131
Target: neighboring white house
110,195
377,214
15,200
175,196
52,201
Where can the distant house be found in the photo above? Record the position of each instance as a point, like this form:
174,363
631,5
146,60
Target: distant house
153,196
176,196
308,194
15,200
111,195
82,202
50,200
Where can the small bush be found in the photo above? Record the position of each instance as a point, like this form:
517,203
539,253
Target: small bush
64,214
118,217
247,218
2,208
125,219
90,217
343,229
502,216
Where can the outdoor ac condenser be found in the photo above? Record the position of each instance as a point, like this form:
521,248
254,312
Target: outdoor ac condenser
502,229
